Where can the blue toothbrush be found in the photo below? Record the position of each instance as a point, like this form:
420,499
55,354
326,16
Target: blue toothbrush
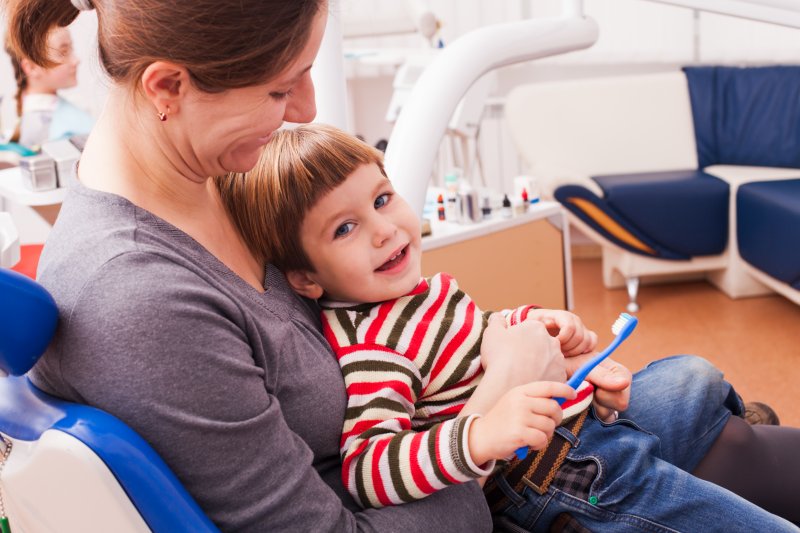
622,328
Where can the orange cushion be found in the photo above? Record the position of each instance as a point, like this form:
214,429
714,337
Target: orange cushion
29,259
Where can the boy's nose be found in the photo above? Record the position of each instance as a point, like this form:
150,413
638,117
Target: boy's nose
384,231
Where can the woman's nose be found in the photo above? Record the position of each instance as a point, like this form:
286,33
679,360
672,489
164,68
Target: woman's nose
302,106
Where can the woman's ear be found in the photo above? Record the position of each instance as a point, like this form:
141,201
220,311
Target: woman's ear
303,285
165,84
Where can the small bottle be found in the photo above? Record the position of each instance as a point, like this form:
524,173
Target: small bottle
522,206
440,209
486,210
506,211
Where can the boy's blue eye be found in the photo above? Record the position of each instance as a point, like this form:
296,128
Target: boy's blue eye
382,200
343,230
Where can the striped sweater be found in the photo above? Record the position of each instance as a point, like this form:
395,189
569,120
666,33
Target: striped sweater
409,367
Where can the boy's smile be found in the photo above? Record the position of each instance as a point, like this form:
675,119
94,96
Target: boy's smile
363,240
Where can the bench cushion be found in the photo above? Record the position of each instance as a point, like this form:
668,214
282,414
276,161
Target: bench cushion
685,210
768,218
671,215
746,116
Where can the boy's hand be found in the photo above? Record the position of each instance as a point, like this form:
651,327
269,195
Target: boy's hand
525,352
568,328
526,415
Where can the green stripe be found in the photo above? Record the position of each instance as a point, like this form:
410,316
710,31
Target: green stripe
432,453
360,486
444,326
402,320
379,403
374,432
384,368
459,398
394,467
343,318
461,370
458,434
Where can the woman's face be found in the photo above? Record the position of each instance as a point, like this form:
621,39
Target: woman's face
226,131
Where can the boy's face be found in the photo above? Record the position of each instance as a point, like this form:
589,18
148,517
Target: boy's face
363,240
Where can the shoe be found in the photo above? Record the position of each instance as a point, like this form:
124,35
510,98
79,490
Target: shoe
757,413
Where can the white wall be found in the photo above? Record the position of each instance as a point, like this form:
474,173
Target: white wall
635,36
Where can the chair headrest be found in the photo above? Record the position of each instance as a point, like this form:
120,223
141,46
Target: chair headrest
28,317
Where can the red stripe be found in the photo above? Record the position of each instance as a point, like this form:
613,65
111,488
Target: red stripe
421,287
380,491
416,471
363,425
524,312
582,395
443,469
329,335
455,342
375,327
349,458
450,410
360,388
422,328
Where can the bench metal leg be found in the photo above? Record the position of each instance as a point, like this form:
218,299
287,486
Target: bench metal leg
633,289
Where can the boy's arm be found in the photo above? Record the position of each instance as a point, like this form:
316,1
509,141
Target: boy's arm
384,461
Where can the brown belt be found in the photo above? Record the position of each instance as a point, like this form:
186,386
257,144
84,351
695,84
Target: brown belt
537,470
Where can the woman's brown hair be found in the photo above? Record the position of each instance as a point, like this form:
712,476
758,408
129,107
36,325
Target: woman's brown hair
297,168
224,44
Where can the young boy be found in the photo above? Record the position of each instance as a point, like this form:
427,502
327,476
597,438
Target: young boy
320,207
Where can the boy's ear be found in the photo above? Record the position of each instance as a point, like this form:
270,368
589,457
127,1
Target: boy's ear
303,285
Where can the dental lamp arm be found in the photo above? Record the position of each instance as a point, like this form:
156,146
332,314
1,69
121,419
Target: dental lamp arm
423,120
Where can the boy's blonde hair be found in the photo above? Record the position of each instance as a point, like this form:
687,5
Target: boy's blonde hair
296,169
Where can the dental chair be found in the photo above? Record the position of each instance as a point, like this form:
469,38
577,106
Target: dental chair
67,467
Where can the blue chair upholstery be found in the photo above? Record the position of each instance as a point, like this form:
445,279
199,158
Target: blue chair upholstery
768,227
669,215
746,116
28,318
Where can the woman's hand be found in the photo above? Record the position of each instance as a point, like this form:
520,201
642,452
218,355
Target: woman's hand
568,328
612,382
526,415
526,350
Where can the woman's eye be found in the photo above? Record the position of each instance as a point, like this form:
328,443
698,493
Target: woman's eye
343,230
280,96
382,200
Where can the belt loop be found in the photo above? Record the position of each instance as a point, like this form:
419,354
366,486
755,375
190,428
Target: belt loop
568,436
509,492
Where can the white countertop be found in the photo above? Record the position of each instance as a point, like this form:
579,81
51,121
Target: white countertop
445,233
12,188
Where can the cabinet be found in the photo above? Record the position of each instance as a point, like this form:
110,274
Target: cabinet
504,263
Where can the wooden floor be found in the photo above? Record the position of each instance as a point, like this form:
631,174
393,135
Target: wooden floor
754,341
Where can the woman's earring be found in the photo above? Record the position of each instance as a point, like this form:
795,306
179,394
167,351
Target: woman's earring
162,116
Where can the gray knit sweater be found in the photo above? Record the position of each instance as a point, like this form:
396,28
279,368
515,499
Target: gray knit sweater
237,390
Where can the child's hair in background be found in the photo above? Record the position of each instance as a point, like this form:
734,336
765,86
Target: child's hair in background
296,169
22,84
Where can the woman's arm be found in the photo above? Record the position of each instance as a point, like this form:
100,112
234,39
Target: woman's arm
176,360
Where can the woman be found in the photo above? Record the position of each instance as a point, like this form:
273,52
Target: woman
169,322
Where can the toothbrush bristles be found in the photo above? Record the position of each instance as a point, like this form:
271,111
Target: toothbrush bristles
620,322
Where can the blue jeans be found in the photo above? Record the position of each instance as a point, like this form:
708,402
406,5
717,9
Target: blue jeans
678,408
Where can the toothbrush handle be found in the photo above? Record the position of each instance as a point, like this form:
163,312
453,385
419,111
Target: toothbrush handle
576,380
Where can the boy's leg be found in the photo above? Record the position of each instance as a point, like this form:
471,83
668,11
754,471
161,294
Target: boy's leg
686,402
635,490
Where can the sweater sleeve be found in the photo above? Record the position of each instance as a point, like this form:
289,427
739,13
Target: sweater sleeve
386,462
